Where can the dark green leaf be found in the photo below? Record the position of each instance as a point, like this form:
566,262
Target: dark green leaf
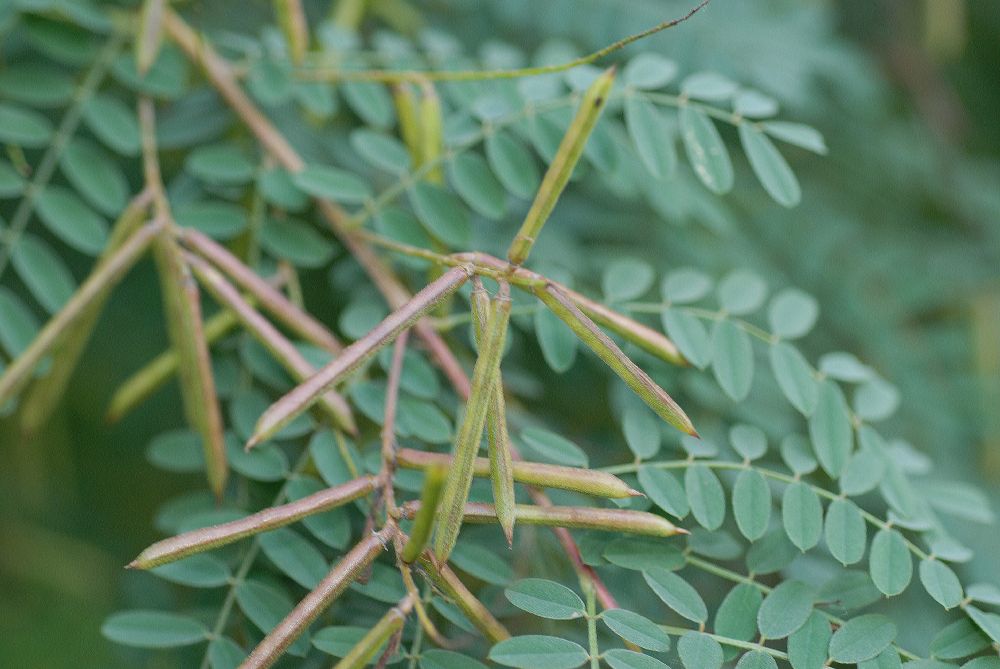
705,150
651,135
699,651
72,221
664,490
557,341
690,335
889,562
23,127
474,182
802,515
795,377
637,629
441,214
705,496
546,599
751,504
153,629
677,594
830,429
95,175
732,359
846,532
619,658
737,614
294,556
513,164
534,650
770,167
807,647
553,448
43,272
862,638
785,610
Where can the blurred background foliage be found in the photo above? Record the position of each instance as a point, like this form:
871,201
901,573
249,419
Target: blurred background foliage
897,236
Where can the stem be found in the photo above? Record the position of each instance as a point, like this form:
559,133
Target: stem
726,641
595,656
67,127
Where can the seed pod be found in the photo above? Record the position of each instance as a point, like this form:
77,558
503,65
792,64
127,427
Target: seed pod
158,371
580,517
586,481
364,650
501,462
150,37
445,580
423,522
561,168
601,344
456,490
409,125
208,538
303,396
283,350
292,20
106,275
310,607
431,133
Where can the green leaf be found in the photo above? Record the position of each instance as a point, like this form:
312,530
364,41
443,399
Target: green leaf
626,279
798,134
705,496
830,429
441,214
700,651
685,285
153,629
95,176
43,272
370,101
989,623
708,86
845,367
741,292
863,472
12,183
513,164
985,662
802,515
889,562
875,400
889,659
649,71
941,583
756,659
534,650
333,184
642,432
641,553
557,341
792,313
748,440
846,532
677,594
705,150
987,593
546,599
72,221
737,614
690,335
436,658
797,455
18,327
652,136
754,104
381,150
384,585
278,188
225,164
637,629
113,123
35,84
751,504
771,553
851,589
297,242
219,220
472,179
553,448
770,167
732,359
265,462
197,571
332,527
785,609
224,653
23,127
807,647
862,638
664,490
959,639
265,607
295,556
483,563
176,451
167,78
447,659
794,377
619,658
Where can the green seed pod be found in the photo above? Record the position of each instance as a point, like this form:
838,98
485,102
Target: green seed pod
364,651
431,131
456,490
562,166
430,497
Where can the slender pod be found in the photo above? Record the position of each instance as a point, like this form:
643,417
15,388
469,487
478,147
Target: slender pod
423,521
310,607
431,130
292,19
445,580
561,168
587,481
365,650
601,344
269,298
456,490
498,440
307,393
208,538
150,38
409,124
578,517
105,276
283,350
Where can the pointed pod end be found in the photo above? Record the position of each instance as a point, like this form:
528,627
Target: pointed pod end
632,492
254,440
681,530
135,564
693,432
508,534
